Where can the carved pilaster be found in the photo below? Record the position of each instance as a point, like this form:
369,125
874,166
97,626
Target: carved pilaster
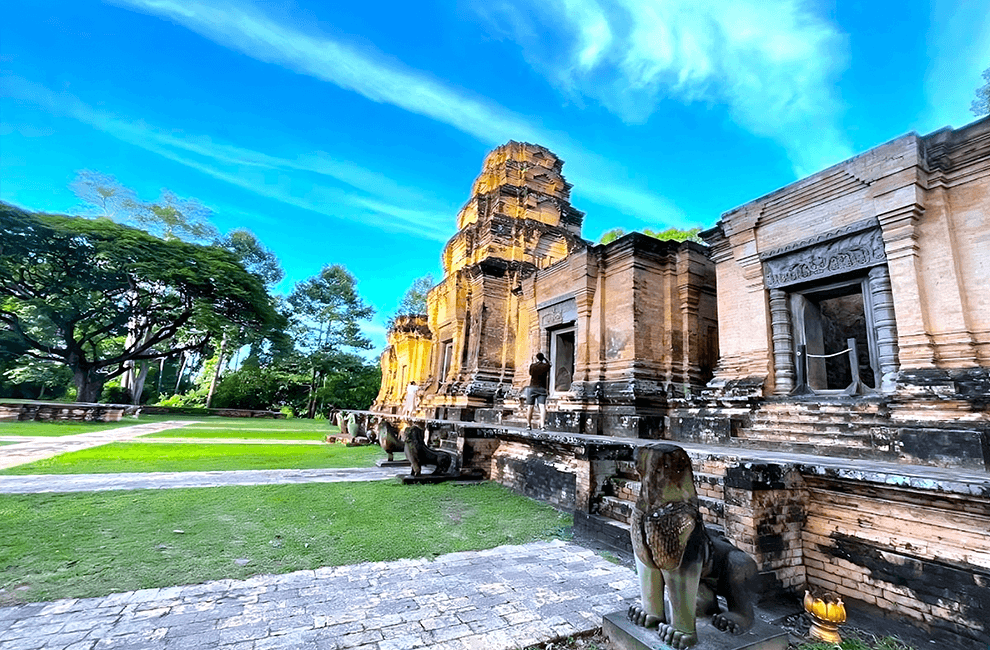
885,324
783,343
901,244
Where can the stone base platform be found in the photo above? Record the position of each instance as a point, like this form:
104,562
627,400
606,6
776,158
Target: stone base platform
393,463
472,474
622,634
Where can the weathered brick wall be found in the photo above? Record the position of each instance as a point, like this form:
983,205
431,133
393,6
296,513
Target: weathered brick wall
554,475
764,516
919,555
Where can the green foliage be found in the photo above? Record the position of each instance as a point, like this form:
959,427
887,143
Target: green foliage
350,383
253,255
329,311
981,105
260,389
671,234
76,288
37,378
192,399
414,301
114,393
610,236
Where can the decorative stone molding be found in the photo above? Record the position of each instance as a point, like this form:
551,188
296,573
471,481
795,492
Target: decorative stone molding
854,252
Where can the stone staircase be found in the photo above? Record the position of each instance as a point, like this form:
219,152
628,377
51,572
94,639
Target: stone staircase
833,429
612,510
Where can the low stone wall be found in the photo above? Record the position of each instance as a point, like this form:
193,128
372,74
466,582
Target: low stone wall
52,411
226,413
901,542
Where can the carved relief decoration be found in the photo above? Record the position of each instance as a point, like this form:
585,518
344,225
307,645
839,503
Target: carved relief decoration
861,250
558,313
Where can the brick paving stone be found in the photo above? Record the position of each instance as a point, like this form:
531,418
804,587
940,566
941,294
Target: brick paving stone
501,599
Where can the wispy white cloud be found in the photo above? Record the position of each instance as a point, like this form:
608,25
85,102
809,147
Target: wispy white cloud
773,65
243,29
246,30
266,175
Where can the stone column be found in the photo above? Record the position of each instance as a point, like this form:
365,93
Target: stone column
885,324
765,511
783,343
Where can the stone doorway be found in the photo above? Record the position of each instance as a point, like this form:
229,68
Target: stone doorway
835,339
562,346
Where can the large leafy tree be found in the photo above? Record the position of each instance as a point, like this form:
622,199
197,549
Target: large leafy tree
73,289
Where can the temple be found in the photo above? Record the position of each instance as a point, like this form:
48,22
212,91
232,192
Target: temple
824,360
625,325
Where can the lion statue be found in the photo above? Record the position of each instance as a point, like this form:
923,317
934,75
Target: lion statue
675,551
388,438
419,454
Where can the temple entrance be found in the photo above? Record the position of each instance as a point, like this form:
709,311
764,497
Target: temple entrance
562,357
835,340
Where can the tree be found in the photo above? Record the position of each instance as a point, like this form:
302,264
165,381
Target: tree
981,105
73,289
103,195
610,236
253,255
672,234
328,314
171,217
414,300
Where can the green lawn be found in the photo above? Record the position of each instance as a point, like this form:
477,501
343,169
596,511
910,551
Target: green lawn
190,431
92,544
204,423
190,457
68,428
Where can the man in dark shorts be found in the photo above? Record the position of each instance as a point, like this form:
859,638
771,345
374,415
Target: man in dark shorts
536,392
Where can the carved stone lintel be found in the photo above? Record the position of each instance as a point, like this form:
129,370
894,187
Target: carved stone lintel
860,250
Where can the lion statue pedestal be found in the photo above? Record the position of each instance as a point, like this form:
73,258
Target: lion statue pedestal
684,567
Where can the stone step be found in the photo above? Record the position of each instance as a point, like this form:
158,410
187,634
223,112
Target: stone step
810,448
824,439
620,510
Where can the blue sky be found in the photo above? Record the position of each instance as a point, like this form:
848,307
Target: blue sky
350,133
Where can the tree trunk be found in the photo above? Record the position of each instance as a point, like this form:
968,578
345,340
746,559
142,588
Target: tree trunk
89,385
138,386
182,369
311,407
216,371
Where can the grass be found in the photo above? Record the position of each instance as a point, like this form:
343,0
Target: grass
67,428
92,544
199,423
127,457
246,433
884,643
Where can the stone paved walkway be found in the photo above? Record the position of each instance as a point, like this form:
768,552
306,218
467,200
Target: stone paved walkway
35,483
38,448
500,599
